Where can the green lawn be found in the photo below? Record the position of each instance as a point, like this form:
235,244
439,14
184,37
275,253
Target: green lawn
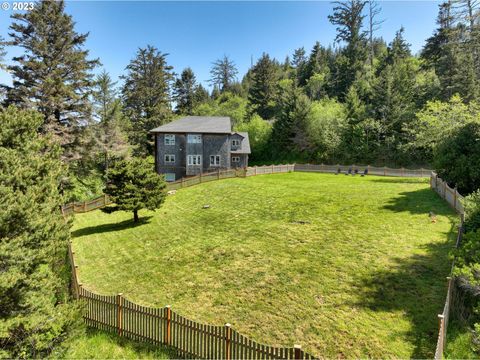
344,266
99,345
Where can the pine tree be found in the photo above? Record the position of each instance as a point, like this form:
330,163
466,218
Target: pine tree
348,16
53,75
35,315
223,73
185,92
201,95
317,71
261,95
110,130
146,96
299,63
373,25
134,185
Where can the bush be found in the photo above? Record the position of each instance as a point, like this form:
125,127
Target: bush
457,158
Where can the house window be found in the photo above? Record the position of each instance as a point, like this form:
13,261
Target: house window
194,159
170,177
235,143
214,160
194,139
169,139
235,159
169,159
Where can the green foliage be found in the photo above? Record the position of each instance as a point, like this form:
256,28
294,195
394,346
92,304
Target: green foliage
53,74
223,74
259,132
457,158
186,92
35,315
261,95
226,104
471,205
134,185
146,96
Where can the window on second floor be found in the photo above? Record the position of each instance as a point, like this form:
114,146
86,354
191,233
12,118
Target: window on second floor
169,159
214,160
194,139
235,143
194,160
169,139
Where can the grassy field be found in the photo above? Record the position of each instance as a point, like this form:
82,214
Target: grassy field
344,266
98,345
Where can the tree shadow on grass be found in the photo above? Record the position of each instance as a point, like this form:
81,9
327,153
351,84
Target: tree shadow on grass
422,201
117,226
417,287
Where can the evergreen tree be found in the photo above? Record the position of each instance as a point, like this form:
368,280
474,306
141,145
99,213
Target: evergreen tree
317,71
201,95
35,315
261,95
348,16
110,130
373,25
299,63
185,92
53,75
223,73
146,96
134,185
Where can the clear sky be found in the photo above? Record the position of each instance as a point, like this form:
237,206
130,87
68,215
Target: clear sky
196,33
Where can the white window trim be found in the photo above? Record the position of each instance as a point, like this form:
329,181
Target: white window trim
235,159
171,156
194,139
169,139
215,158
235,142
191,162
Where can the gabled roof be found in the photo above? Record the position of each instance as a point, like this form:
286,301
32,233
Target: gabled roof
245,149
197,124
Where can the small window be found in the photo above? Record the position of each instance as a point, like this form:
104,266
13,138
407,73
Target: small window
194,139
235,143
169,159
169,139
170,177
194,160
235,159
214,160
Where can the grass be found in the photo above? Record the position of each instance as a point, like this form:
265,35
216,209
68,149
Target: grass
459,342
98,345
344,266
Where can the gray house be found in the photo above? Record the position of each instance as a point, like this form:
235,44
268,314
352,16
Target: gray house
196,144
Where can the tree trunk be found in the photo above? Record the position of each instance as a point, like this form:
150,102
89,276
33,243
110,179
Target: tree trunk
135,216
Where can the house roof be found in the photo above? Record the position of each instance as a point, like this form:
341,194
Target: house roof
245,149
197,124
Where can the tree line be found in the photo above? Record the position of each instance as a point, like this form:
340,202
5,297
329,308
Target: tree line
65,130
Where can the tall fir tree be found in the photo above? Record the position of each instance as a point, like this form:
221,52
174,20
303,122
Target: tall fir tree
110,130
54,74
35,313
146,96
348,17
299,63
185,92
262,90
223,74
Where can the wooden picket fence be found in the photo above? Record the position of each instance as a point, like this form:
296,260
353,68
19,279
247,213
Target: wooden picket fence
101,201
454,199
164,327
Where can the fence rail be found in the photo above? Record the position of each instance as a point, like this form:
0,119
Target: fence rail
163,326
454,199
101,201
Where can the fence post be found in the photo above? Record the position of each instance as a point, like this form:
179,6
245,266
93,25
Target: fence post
119,313
228,341
182,183
255,170
444,189
218,174
441,324
403,171
384,171
297,349
272,168
168,333
455,192
200,177
84,206
104,199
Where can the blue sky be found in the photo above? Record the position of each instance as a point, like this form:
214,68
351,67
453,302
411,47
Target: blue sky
197,33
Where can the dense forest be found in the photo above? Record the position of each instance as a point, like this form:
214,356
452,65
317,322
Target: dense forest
65,122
